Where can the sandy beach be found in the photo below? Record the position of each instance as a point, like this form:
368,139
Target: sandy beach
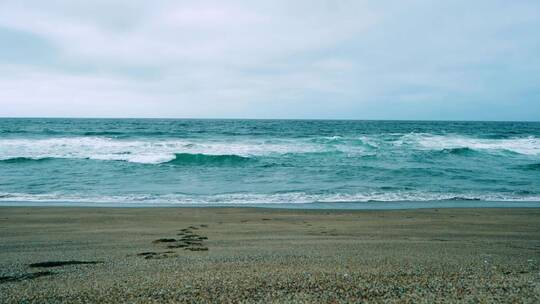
143,255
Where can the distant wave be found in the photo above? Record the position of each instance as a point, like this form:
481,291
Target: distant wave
123,134
257,198
17,160
204,159
14,132
103,133
523,145
531,167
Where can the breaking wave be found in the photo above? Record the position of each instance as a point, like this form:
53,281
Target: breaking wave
255,198
523,145
143,151
153,151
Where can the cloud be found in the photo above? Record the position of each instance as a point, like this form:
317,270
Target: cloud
188,33
342,59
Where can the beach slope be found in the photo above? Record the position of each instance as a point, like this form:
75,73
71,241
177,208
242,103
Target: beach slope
144,255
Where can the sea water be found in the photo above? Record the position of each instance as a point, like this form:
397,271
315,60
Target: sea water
281,163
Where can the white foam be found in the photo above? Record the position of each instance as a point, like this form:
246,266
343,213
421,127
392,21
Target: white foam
151,152
524,145
159,151
257,198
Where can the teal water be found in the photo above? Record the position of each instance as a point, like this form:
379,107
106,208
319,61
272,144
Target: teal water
283,163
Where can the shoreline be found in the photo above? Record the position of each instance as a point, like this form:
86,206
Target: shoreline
253,255
370,205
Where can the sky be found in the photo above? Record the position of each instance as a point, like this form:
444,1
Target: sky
308,59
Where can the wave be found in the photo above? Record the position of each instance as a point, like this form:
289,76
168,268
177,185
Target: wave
259,198
462,198
521,145
143,151
448,143
531,167
459,151
156,151
124,134
18,160
14,132
103,133
204,159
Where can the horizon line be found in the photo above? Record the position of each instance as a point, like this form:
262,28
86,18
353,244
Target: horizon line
236,118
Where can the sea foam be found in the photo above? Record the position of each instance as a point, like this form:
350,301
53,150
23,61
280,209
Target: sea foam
262,198
162,151
524,145
140,151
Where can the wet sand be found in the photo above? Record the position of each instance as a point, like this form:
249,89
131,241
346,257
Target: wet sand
142,255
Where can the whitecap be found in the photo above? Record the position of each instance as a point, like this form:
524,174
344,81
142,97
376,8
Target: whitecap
522,145
141,151
260,198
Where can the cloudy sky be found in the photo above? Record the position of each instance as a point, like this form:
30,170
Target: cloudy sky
345,59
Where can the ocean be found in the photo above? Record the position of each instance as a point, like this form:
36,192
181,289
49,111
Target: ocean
269,163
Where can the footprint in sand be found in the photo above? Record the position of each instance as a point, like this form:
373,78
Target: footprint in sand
62,263
188,240
25,276
157,255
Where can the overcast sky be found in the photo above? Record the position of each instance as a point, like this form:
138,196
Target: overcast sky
349,59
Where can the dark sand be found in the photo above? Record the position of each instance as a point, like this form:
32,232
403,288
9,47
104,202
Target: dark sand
141,255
